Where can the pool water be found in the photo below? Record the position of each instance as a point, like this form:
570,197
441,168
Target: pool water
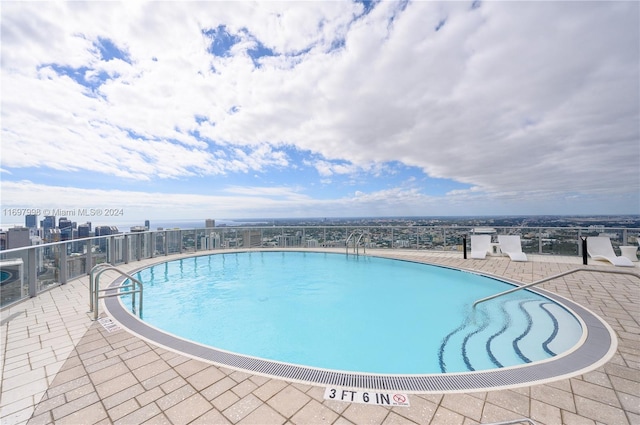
353,313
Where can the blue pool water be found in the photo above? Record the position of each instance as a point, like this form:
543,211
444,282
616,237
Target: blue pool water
349,313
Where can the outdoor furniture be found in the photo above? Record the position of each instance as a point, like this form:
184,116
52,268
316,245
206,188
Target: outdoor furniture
511,245
480,246
600,248
629,251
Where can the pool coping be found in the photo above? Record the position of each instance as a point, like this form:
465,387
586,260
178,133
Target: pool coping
597,348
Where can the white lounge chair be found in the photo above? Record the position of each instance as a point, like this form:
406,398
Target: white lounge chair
600,248
480,246
511,245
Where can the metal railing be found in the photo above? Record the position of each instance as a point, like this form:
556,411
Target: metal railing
356,243
94,289
547,279
31,270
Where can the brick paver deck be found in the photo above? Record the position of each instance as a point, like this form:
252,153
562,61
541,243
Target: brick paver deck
60,367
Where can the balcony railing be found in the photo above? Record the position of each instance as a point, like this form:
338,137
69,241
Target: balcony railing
25,272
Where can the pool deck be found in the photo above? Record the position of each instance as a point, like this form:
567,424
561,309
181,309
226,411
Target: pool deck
60,367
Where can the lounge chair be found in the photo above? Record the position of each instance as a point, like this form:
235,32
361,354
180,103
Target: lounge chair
600,248
480,246
510,245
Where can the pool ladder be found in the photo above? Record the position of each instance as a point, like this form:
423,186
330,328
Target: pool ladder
356,243
94,289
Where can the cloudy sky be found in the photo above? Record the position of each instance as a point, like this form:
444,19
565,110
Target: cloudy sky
189,110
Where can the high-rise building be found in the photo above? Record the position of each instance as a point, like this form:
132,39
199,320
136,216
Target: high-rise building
66,228
208,223
84,230
31,221
18,237
147,224
252,238
48,225
105,231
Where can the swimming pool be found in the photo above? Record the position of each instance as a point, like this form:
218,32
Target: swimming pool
354,315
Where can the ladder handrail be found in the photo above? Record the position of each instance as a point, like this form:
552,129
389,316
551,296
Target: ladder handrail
91,280
355,243
358,244
97,289
546,279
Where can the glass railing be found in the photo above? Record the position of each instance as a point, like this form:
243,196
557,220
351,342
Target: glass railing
27,271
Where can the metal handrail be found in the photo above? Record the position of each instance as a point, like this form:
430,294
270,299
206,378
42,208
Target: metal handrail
514,422
546,279
356,247
97,289
91,280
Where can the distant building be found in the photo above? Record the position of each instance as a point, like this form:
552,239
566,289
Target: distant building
105,231
84,230
138,229
66,228
209,223
147,224
48,225
31,221
18,237
252,238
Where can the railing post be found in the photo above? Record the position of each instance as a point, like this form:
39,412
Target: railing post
584,249
165,243
63,264
125,249
444,238
32,272
539,240
89,257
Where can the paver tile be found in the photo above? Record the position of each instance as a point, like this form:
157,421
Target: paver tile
212,417
218,388
75,405
395,419
600,412
269,389
288,401
244,388
139,416
365,413
188,410
445,416
595,392
205,377
175,397
242,408
545,413
91,414
464,404
264,415
314,413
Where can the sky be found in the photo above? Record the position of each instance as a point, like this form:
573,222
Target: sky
128,111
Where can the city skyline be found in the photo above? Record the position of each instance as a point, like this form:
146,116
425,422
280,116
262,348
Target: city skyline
166,111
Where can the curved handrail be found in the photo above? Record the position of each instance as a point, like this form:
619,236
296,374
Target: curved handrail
128,276
358,244
91,280
546,279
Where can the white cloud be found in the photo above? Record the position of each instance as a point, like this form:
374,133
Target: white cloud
516,99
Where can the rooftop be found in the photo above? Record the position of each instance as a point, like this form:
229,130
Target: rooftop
59,366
